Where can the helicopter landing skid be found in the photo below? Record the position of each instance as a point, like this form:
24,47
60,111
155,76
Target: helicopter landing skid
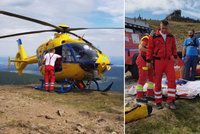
41,87
94,85
91,85
62,88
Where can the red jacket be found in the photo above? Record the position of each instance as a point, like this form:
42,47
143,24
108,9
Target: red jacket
160,49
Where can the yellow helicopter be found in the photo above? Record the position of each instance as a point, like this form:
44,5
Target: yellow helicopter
81,65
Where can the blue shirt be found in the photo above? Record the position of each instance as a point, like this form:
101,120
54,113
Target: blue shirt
191,50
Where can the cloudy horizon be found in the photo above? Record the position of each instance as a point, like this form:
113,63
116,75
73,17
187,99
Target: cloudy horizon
160,8
75,13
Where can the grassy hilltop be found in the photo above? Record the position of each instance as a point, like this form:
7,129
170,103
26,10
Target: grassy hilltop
178,29
14,79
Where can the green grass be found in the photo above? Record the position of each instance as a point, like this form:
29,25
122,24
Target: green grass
15,79
184,120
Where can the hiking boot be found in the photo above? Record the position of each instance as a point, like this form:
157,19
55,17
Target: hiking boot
171,105
159,106
142,100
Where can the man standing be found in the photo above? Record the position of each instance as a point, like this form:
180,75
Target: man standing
190,55
49,76
145,73
162,52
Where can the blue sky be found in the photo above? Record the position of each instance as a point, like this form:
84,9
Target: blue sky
158,9
75,13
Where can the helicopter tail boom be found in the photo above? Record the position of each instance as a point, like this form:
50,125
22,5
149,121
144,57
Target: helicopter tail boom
21,60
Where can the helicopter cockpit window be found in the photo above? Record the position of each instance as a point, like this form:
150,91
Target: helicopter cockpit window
78,53
84,52
67,56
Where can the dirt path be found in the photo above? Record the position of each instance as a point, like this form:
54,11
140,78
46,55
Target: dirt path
27,111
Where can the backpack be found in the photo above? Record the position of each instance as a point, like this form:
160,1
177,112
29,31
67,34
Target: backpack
193,43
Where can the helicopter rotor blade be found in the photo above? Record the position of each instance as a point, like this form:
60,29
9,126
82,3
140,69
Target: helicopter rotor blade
74,29
89,43
80,37
25,33
30,19
92,28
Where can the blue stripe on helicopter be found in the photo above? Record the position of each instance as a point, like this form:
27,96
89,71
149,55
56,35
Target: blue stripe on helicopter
19,42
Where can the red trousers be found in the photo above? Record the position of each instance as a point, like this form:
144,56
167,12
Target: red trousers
144,76
165,66
49,77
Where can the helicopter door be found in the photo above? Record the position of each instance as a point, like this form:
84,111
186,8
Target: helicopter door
58,63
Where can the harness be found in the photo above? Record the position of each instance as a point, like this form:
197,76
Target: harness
193,43
50,58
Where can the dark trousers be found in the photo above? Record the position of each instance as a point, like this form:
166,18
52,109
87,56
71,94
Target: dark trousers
190,63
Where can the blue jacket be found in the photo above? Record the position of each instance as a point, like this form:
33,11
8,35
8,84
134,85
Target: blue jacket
192,45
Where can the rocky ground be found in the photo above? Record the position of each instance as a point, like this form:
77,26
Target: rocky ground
24,110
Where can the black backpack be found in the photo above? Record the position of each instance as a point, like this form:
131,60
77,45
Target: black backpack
193,43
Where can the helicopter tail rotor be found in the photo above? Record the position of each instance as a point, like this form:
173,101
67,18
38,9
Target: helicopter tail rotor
21,60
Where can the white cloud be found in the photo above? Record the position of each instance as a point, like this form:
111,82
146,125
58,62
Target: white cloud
74,13
157,7
61,11
113,7
16,3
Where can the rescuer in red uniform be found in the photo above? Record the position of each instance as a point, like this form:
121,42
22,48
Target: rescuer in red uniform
145,73
49,76
162,52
